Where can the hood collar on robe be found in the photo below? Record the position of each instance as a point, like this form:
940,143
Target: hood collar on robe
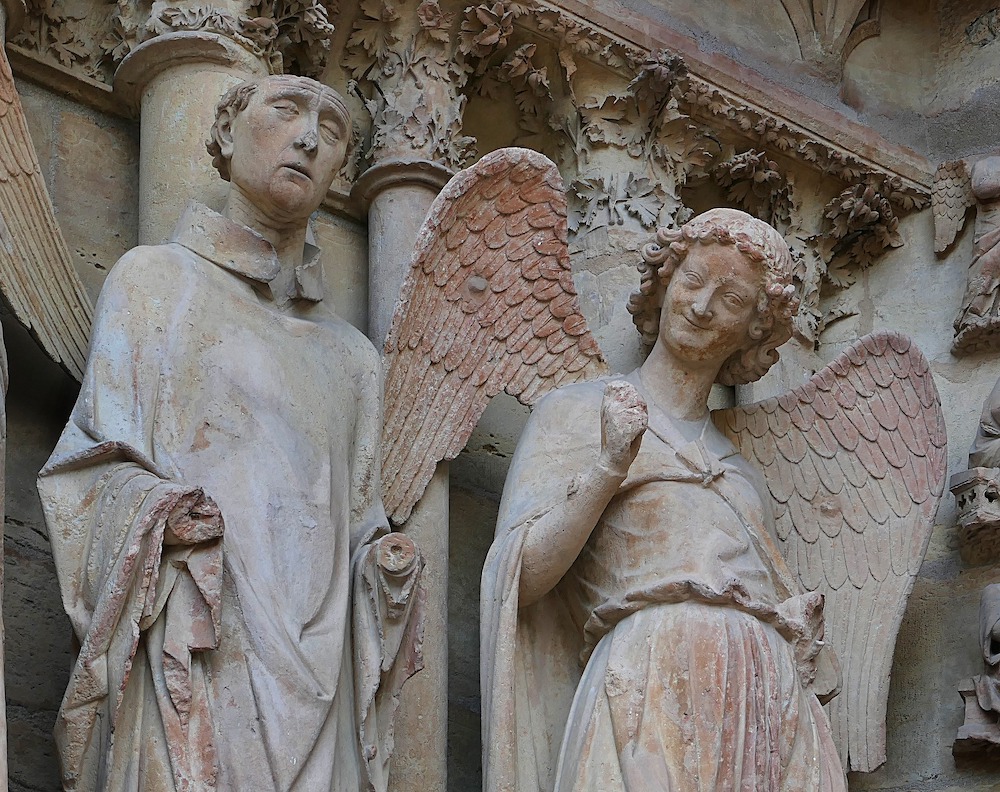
243,251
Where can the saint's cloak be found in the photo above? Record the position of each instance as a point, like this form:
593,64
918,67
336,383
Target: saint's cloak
228,664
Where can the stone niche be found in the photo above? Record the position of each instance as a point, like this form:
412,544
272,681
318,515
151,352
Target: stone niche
653,111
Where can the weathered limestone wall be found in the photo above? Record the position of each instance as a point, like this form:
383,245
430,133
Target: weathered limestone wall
38,633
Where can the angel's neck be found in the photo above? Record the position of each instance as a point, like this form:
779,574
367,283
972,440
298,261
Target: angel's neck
679,390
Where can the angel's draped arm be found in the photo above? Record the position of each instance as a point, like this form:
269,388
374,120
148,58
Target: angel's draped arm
105,479
368,517
557,489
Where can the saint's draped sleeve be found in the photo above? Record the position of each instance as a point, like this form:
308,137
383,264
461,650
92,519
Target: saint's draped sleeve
529,663
388,604
106,492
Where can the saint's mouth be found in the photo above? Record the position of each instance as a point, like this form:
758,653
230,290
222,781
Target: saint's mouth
298,168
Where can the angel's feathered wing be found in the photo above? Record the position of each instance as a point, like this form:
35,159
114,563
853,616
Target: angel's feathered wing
36,268
855,461
489,305
951,197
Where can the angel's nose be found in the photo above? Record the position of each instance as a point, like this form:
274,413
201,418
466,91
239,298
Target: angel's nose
701,307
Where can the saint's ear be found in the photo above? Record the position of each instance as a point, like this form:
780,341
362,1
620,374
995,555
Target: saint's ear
224,132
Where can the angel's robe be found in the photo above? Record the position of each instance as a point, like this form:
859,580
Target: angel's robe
668,657
231,663
981,302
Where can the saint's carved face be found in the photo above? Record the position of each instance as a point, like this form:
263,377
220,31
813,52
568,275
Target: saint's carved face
287,145
710,306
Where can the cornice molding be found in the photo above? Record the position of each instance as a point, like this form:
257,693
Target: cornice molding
739,96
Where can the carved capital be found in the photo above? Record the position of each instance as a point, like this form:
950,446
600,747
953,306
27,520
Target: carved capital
289,35
170,50
411,61
398,172
94,39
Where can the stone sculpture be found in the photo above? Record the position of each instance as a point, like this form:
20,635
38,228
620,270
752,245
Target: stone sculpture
245,619
958,185
988,683
982,693
652,608
977,490
489,305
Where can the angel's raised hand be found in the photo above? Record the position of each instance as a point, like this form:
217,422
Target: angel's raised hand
624,418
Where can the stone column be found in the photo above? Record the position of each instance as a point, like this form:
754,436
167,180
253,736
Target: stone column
174,82
397,193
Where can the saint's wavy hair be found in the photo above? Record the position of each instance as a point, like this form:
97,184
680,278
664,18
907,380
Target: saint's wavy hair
235,101
761,244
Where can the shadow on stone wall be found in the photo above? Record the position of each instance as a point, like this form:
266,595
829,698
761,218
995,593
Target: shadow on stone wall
38,634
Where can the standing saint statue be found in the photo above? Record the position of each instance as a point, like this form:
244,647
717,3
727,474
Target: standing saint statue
244,618
640,628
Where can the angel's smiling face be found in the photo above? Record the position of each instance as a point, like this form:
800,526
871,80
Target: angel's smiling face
710,309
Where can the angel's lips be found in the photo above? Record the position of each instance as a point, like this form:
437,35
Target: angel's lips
693,323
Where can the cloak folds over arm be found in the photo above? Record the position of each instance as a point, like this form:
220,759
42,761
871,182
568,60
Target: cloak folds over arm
387,594
388,634
106,499
529,657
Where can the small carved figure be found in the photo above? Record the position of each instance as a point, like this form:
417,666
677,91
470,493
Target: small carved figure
244,619
977,490
982,696
652,608
988,683
957,187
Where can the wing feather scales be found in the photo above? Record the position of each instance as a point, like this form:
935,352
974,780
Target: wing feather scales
872,431
490,306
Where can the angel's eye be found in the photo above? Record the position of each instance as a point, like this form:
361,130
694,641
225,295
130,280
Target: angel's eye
693,278
733,300
286,107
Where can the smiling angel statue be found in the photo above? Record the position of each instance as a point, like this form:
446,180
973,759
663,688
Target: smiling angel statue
672,594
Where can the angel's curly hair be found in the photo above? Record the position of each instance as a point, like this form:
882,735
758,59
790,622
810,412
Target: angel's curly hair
761,244
235,101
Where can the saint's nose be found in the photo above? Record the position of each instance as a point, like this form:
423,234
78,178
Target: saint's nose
308,140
